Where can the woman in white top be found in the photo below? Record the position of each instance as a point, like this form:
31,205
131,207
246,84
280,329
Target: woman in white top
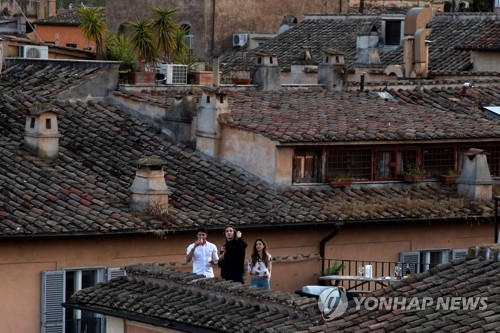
260,265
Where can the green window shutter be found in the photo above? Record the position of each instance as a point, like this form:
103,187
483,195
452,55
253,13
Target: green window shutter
411,258
53,290
458,253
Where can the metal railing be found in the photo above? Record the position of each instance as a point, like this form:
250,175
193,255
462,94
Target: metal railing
379,269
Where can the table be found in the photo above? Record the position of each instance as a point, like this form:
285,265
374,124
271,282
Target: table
359,281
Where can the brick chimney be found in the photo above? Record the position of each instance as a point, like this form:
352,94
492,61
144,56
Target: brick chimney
213,103
475,179
332,71
41,134
267,73
149,192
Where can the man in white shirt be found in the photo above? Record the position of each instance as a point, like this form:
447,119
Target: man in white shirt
203,254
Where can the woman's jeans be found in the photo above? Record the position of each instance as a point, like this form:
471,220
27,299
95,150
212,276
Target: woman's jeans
261,282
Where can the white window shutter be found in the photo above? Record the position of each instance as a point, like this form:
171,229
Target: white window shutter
458,253
411,258
114,272
53,290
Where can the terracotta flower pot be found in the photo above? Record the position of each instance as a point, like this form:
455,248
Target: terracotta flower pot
413,178
241,80
340,183
449,179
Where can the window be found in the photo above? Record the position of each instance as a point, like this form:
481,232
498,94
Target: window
439,160
307,167
353,162
386,163
188,38
71,45
392,32
423,260
32,122
58,286
48,123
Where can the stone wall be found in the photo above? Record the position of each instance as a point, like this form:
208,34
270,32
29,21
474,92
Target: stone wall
231,16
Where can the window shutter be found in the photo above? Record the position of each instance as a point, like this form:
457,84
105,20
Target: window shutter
53,287
114,272
458,253
411,258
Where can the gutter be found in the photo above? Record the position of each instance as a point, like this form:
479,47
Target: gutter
322,246
255,227
174,325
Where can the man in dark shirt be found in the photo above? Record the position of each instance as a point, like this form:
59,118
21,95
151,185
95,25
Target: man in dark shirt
232,258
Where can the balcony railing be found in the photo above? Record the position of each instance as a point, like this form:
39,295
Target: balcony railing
379,269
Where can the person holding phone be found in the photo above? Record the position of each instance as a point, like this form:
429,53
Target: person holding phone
232,260
260,265
203,254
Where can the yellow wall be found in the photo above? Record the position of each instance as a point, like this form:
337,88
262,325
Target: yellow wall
67,35
22,262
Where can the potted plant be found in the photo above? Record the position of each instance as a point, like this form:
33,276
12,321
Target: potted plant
414,173
155,41
335,268
341,180
450,177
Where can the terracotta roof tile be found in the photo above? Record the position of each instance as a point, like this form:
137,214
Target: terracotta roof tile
86,188
450,31
177,297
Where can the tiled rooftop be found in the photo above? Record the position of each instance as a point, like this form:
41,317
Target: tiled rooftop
172,297
322,116
151,291
68,17
449,30
86,189
475,277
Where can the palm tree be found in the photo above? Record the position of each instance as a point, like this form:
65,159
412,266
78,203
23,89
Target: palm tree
181,49
143,42
165,28
120,49
94,28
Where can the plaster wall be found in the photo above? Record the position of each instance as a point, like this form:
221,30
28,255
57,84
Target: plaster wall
22,262
250,151
63,35
209,25
284,166
485,61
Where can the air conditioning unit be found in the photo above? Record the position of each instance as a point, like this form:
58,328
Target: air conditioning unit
240,39
174,74
34,51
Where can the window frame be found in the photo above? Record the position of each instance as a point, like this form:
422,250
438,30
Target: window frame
317,166
53,293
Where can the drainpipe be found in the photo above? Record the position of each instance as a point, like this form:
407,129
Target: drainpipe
213,28
496,198
322,246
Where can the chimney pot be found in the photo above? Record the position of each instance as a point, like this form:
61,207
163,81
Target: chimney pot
149,192
41,136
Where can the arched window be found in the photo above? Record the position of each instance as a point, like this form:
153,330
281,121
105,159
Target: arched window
189,39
